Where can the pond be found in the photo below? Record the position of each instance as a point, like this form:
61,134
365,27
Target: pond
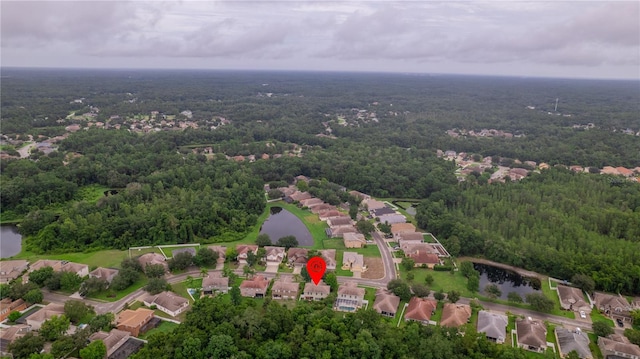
508,281
10,241
282,223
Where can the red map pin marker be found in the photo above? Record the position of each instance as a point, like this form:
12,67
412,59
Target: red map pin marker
316,266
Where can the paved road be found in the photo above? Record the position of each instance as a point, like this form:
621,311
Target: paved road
387,259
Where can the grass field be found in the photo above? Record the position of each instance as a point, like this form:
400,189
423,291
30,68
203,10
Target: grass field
164,327
442,280
110,296
106,258
596,316
91,193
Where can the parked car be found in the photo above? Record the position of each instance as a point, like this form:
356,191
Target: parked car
620,323
583,315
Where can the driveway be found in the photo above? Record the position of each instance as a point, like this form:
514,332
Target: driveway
272,268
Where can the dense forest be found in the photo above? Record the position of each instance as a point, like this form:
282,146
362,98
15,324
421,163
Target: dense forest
376,133
216,329
557,222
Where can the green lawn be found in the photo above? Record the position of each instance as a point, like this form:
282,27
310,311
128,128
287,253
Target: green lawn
168,251
106,258
164,327
596,316
442,280
593,346
110,296
370,250
181,287
91,193
438,314
553,295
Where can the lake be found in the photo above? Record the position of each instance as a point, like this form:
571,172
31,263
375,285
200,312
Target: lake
10,241
506,280
282,223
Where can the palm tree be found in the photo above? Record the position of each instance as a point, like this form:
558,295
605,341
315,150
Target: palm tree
204,272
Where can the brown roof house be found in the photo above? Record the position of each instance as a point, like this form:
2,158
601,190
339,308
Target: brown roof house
153,258
297,257
573,340
493,325
106,274
411,236
113,340
299,196
7,306
9,335
243,250
353,261
572,299
372,204
167,302
350,297
36,319
10,270
386,303
532,335
614,306
421,257
311,202
322,208
339,221
221,250
255,287
284,288
315,292
339,232
274,254
82,270
133,321
329,256
214,282
359,195
39,264
421,310
618,346
354,240
333,214
399,228
455,315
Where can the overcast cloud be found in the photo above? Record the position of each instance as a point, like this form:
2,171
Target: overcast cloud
590,39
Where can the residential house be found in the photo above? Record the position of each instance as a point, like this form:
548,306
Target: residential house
311,202
320,208
215,282
421,258
572,299
9,334
339,221
329,256
153,258
573,340
618,346
302,178
243,250
532,335
353,261
411,236
221,250
106,274
493,325
82,270
10,270
167,302
372,205
397,229
7,306
383,212
386,303
274,254
614,306
189,250
315,292
392,218
455,315
359,195
298,196
297,257
354,240
409,247
421,310
39,264
113,340
36,319
284,288
333,214
255,287
133,321
338,232
350,297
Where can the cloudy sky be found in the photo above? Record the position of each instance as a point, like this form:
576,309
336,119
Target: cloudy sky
585,39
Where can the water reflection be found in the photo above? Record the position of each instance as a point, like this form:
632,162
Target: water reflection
283,223
508,281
